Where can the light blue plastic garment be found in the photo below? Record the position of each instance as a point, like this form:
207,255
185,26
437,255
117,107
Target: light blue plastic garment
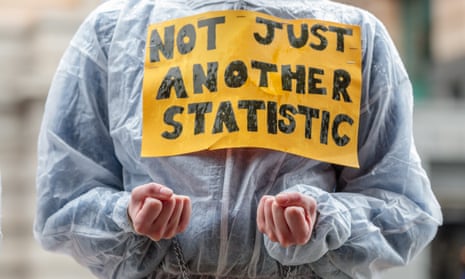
371,218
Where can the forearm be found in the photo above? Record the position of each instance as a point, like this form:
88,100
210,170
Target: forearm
94,229
357,234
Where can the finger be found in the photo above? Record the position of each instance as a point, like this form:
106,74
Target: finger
261,223
161,223
299,225
173,222
297,199
185,215
140,193
269,222
145,217
153,190
289,198
281,230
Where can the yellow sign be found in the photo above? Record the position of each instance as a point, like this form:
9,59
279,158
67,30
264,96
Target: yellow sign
231,79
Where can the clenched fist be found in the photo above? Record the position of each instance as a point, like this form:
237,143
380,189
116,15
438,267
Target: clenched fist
156,212
287,218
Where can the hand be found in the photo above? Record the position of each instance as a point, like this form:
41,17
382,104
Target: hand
156,212
287,218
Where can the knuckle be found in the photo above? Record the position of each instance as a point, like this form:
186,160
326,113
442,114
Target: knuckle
183,224
301,240
285,243
182,227
272,238
138,229
169,231
282,239
170,234
156,236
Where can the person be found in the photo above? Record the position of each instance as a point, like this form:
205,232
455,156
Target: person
233,212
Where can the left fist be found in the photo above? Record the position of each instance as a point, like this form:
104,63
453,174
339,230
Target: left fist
287,218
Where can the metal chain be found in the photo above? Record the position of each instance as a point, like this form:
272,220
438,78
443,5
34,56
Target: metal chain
180,258
286,270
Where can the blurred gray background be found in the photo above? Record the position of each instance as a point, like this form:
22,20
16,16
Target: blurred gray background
430,35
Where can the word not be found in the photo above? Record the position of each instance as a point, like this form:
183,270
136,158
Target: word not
186,38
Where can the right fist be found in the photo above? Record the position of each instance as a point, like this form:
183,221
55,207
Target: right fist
156,212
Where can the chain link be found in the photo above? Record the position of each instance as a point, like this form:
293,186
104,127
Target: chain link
286,271
180,258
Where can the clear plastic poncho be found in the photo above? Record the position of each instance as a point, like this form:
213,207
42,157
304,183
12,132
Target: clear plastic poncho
370,218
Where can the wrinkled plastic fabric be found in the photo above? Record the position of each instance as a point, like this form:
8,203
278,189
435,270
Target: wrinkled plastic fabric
371,218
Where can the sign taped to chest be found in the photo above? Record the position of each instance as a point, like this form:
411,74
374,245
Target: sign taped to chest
233,79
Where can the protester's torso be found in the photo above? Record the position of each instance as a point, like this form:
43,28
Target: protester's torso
225,185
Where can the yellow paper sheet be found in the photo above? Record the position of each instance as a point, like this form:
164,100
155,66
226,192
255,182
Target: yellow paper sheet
231,79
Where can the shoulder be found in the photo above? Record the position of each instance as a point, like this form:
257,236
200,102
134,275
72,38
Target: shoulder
95,33
371,26
104,17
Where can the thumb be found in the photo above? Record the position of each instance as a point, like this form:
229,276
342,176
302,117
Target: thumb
152,190
296,199
289,199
